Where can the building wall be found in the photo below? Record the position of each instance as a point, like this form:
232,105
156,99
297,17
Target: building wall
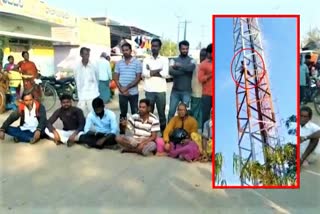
92,33
41,52
26,26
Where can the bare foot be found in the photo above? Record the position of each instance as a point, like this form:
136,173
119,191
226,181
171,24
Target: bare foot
160,154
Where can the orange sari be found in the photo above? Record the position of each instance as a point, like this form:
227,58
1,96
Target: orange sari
29,68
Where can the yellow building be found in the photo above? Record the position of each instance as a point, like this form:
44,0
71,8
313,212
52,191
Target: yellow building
46,32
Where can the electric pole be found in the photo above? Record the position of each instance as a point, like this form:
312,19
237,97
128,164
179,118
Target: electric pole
185,28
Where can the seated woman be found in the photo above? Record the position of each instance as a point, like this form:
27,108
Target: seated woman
204,141
181,121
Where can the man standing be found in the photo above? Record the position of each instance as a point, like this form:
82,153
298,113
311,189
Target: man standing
101,127
33,120
105,76
181,69
127,76
304,74
73,122
155,71
144,127
205,77
87,80
310,134
197,91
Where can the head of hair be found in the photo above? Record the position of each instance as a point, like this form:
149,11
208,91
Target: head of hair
203,52
97,103
10,57
182,104
145,101
156,40
209,48
83,49
308,56
24,52
307,109
26,93
184,42
126,45
65,97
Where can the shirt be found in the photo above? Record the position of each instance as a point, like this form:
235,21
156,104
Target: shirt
107,124
304,71
128,72
72,119
87,78
207,129
155,84
306,130
143,129
30,119
182,76
205,77
190,125
196,85
104,69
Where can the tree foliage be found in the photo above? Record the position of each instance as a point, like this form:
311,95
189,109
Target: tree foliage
218,170
169,48
281,167
312,36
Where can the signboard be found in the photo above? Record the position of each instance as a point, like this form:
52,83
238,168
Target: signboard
38,10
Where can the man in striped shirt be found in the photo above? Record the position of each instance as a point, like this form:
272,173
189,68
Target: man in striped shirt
127,76
144,128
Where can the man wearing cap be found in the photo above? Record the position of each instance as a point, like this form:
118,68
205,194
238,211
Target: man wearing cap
105,76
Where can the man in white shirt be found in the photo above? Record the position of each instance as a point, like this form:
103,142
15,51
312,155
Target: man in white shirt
105,76
155,71
87,80
196,95
309,136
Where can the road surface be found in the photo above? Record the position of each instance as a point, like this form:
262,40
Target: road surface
45,178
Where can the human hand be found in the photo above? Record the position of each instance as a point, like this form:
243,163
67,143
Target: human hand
56,136
2,135
101,141
72,138
148,67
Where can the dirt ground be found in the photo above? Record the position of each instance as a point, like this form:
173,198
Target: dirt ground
45,178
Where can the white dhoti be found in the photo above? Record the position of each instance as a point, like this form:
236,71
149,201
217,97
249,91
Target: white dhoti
64,135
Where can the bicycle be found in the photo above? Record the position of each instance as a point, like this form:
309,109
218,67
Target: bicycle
48,93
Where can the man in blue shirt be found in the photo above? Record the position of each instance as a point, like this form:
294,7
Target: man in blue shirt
304,73
127,76
101,127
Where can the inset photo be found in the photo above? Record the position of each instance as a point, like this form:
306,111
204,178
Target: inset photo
256,61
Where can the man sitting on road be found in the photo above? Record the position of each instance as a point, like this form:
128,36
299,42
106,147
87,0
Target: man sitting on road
33,120
73,122
100,128
309,139
144,127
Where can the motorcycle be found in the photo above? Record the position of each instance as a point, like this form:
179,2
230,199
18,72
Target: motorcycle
62,86
315,94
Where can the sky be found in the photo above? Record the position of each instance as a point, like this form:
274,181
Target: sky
160,17
279,42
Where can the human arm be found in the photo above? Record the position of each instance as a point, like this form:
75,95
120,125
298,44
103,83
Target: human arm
202,76
52,120
168,130
11,119
117,78
81,124
188,67
114,124
42,119
89,123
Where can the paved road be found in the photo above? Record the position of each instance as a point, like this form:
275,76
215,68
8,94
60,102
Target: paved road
44,178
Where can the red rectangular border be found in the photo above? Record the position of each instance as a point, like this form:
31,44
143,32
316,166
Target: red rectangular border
298,95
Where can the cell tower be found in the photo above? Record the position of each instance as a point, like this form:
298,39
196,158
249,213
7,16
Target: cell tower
257,129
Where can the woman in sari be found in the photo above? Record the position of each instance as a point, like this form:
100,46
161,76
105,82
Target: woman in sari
27,67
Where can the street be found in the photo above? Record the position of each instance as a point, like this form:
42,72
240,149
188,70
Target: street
45,178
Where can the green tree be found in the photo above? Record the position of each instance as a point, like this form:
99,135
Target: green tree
281,169
312,36
169,48
218,162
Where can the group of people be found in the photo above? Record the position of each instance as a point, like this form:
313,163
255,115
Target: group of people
93,125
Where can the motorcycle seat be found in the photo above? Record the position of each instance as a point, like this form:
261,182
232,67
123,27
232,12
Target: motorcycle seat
65,80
